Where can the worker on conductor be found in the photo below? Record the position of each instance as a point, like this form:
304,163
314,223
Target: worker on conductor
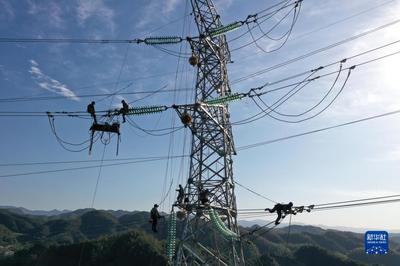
181,194
91,111
154,216
279,209
124,110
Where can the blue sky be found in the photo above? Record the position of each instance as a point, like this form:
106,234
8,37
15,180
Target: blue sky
346,163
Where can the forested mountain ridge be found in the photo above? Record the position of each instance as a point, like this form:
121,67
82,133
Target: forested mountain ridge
41,240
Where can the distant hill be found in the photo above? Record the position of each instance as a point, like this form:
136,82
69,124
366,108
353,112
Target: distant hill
63,213
60,235
346,245
23,211
360,230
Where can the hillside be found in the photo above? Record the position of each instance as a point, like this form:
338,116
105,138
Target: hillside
125,249
315,240
59,238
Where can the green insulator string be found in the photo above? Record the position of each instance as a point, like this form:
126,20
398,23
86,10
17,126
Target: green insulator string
222,224
146,110
162,40
221,227
171,236
226,99
224,29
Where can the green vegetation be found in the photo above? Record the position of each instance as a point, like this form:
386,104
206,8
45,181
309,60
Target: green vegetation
124,238
133,248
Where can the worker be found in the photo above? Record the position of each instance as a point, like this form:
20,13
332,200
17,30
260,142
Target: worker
279,209
203,196
91,111
124,110
181,194
154,216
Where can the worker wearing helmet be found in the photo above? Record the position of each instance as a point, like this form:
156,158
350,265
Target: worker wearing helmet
279,209
154,216
124,110
181,194
203,196
91,111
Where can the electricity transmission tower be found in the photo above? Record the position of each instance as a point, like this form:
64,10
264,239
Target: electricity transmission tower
211,152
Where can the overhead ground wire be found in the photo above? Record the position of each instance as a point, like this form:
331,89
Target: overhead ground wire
311,53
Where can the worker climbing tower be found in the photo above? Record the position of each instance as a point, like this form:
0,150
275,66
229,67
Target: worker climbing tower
209,233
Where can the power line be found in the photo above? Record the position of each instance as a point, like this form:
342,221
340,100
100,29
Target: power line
43,98
88,40
296,9
265,17
148,95
305,81
326,26
343,19
358,200
88,161
351,205
331,64
255,193
312,71
84,167
267,142
80,88
153,41
149,132
116,90
314,115
168,23
70,40
263,71
166,190
258,228
244,121
64,144
356,204
335,204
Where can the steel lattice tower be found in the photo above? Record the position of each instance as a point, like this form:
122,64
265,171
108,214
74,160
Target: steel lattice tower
211,152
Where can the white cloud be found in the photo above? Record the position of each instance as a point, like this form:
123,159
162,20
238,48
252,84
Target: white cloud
153,7
393,155
375,85
170,6
48,83
147,16
7,9
51,10
372,88
223,4
33,62
87,9
388,156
